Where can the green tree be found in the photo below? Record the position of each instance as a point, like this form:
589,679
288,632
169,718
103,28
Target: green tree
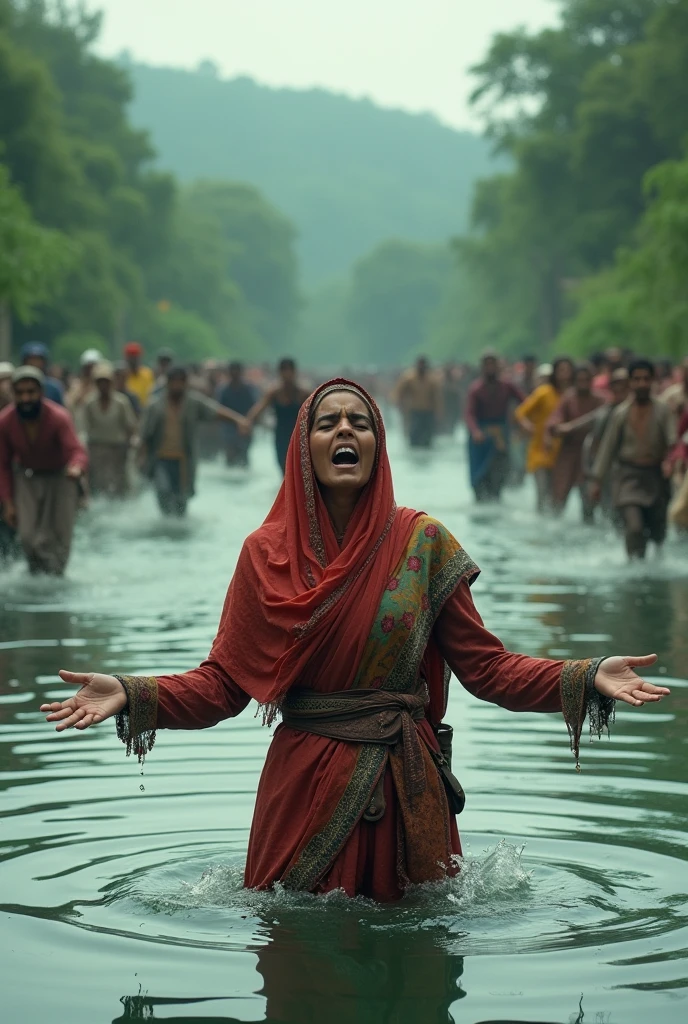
395,291
258,244
643,300
33,261
584,110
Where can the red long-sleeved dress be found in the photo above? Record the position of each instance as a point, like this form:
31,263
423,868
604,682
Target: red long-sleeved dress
298,763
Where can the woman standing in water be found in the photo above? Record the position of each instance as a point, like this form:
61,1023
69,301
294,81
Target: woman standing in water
342,617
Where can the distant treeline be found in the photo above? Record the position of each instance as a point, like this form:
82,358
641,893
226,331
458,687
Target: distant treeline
97,246
578,243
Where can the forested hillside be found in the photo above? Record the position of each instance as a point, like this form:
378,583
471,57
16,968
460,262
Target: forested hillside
96,245
347,173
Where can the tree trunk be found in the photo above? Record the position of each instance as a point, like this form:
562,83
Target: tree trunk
5,332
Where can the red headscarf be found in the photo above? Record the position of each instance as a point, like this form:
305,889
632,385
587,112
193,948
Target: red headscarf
299,609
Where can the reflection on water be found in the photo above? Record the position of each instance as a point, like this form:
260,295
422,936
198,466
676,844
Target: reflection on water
124,892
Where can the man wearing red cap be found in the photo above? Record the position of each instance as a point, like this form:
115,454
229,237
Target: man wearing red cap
141,379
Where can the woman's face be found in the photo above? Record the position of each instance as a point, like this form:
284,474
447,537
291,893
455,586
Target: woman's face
343,442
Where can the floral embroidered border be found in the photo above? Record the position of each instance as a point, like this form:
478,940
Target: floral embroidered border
580,698
441,586
136,724
322,848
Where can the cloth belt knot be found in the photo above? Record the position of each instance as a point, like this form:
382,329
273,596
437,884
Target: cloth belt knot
364,716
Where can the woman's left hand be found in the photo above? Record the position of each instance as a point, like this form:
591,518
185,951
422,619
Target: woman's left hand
616,679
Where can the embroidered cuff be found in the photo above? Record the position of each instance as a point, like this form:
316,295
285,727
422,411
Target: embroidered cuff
136,723
579,698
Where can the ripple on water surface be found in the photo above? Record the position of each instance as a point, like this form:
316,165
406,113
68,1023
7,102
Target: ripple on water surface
570,884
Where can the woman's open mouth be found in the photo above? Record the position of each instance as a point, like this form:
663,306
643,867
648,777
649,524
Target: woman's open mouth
345,456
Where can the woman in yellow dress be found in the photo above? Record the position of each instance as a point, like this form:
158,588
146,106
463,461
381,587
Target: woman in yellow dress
532,416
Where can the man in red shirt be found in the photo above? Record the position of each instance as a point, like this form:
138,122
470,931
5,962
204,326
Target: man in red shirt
41,462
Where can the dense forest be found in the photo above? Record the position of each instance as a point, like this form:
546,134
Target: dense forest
585,243
98,246
576,238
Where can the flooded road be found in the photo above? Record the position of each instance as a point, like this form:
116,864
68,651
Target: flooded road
120,892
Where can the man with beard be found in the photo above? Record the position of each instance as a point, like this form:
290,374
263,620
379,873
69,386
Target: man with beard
487,418
41,463
636,446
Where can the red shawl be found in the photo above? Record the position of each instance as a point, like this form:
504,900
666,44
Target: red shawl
299,609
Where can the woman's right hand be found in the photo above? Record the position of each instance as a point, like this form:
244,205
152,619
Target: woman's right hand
98,698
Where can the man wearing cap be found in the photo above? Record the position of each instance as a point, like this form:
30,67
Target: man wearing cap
82,388
140,379
41,464
35,353
110,424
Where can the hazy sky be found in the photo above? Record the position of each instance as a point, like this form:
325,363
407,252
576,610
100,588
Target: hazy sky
402,53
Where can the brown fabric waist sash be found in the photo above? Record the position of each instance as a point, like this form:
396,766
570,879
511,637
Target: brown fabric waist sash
364,716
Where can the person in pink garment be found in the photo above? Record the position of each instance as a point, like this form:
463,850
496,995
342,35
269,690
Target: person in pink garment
41,464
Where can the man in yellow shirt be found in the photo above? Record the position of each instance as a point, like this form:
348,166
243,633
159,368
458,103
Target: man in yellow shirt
140,379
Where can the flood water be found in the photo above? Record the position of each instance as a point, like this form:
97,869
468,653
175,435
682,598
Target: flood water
120,893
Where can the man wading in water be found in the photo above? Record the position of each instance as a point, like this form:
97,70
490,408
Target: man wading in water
41,463
342,617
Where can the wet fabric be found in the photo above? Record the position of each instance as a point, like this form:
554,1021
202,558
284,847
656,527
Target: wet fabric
490,402
108,465
194,410
488,460
421,428
46,505
385,612
171,489
625,445
54,447
537,409
568,469
113,423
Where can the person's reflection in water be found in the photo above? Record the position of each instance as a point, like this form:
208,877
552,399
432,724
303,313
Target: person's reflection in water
344,969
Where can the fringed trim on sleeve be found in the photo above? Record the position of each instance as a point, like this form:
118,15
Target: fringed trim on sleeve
136,723
580,698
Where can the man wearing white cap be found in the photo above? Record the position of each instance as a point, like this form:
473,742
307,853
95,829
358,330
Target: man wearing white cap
82,388
41,463
110,425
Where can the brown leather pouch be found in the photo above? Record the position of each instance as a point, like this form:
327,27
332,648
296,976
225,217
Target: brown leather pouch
456,796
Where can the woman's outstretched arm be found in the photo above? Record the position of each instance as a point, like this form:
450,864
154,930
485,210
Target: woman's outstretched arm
521,683
191,700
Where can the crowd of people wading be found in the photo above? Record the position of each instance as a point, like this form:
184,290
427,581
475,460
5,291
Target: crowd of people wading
614,428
